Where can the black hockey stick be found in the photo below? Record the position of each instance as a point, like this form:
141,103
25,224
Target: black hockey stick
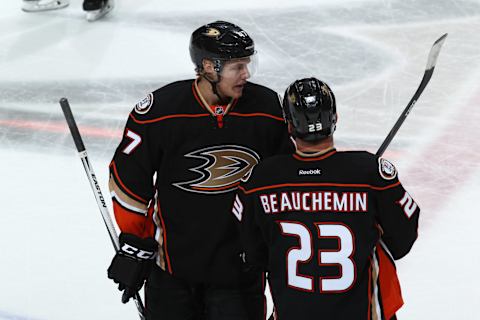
432,60
82,152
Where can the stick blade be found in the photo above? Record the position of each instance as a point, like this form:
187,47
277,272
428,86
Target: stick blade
435,51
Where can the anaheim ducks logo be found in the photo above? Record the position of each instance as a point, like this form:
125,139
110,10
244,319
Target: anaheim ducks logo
326,91
292,98
212,32
222,168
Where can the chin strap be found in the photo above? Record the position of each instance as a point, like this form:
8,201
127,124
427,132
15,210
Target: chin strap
214,88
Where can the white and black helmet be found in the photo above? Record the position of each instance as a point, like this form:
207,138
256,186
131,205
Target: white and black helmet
309,104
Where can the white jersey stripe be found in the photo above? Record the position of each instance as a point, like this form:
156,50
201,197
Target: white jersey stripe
126,205
376,309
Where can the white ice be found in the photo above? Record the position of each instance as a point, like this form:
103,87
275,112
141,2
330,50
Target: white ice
54,249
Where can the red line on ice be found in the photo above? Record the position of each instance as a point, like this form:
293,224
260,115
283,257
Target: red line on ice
60,127
447,163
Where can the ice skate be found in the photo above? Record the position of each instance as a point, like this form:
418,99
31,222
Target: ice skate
96,9
43,5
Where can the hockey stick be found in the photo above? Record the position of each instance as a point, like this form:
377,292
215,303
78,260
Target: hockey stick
82,152
432,60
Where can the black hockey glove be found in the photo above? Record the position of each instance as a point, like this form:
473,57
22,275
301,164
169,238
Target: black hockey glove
132,264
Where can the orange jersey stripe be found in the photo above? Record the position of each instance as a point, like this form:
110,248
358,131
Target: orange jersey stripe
326,184
389,285
199,115
242,188
257,114
133,223
165,247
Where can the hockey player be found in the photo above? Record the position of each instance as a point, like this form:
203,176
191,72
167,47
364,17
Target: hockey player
94,9
198,138
326,225
43,5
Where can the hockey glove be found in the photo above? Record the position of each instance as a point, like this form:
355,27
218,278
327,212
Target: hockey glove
132,264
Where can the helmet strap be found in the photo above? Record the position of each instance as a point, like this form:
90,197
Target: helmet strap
214,84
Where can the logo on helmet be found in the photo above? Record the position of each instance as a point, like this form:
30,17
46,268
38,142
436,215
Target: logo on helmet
292,98
325,90
212,32
222,169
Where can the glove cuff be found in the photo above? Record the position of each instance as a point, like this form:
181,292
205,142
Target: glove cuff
137,248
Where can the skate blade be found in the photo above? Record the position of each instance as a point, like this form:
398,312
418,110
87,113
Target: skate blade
97,14
37,7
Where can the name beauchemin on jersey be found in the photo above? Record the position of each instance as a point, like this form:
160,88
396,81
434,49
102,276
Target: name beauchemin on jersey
318,201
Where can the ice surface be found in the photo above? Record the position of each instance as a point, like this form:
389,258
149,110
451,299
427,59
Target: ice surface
54,249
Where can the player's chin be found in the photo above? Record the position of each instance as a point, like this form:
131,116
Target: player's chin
237,91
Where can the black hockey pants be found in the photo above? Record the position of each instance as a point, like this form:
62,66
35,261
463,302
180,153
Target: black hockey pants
170,298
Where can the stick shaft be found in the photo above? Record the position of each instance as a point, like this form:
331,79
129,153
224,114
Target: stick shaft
432,60
97,192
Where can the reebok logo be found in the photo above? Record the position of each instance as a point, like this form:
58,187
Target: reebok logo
309,172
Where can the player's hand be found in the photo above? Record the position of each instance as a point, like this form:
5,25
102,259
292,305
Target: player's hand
132,264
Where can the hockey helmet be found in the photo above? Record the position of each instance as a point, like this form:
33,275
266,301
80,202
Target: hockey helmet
309,104
219,41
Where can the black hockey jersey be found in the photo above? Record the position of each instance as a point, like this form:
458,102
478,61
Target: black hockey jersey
327,229
199,154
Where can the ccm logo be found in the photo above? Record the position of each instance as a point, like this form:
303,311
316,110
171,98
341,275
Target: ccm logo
141,254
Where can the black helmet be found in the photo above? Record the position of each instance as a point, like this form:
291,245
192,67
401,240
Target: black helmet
310,106
219,41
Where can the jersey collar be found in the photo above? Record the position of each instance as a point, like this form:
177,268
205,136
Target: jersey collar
203,103
314,156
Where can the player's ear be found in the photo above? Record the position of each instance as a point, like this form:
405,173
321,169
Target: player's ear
208,66
209,69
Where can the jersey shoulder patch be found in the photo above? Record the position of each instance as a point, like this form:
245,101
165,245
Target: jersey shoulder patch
144,105
386,169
